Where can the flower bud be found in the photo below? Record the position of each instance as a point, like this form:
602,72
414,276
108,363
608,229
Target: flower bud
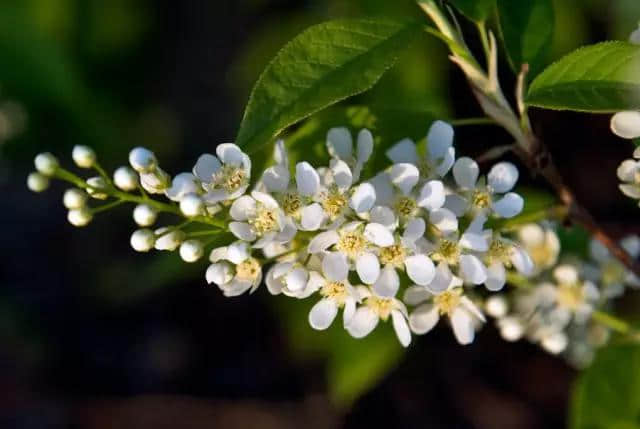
142,240
83,156
74,198
125,178
79,217
168,239
144,215
155,182
37,182
46,163
496,306
191,250
142,160
191,205
95,184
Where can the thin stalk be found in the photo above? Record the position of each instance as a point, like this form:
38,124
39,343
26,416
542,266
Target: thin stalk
612,322
473,121
107,206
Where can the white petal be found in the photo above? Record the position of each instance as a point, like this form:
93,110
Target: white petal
626,124
424,318
432,195
242,231
462,325
522,261
349,310
368,268
442,278
307,179
473,271
339,143
206,166
509,206
404,176
456,204
388,283
474,241
335,267
402,329
229,153
276,178
566,274
447,162
383,187
502,177
363,198
267,200
236,287
280,154
631,244
531,235
341,173
628,169
322,314
362,323
182,184
296,279
242,208
323,241
414,230
555,343
466,171
420,269
311,217
415,295
439,139
632,191
219,273
384,216
365,146
445,220
378,235
218,253
403,151
237,252
274,283
496,276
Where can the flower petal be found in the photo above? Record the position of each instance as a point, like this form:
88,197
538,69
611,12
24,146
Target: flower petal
311,217
424,318
496,276
441,280
462,325
420,269
531,235
445,220
368,268
238,252
415,295
414,229
342,175
509,206
404,176
323,241
322,314
236,287
307,179
474,241
242,208
401,327
632,191
387,283
296,279
473,271
626,124
447,162
339,143
502,177
628,169
242,230
229,153
384,216
378,234
206,166
362,323
465,172
276,178
383,187
365,145
363,198
522,261
432,195
439,139
456,204
403,151
219,273
335,267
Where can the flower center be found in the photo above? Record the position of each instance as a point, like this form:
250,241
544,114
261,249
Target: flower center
291,203
265,220
335,291
447,301
448,251
229,178
351,243
381,306
542,255
499,251
405,206
392,255
570,296
481,199
334,202
249,269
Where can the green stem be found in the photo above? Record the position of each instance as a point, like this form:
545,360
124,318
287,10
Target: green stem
102,173
612,322
107,206
472,121
484,38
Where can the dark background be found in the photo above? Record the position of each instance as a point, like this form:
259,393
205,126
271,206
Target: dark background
93,335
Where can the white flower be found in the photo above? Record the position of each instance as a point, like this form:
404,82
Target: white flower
234,270
183,184
494,197
142,160
340,145
608,271
541,243
155,182
80,217
142,240
376,308
260,217
626,124
95,185
225,177
125,178
144,215
83,156
192,205
37,182
450,302
629,173
503,254
169,238
191,250
440,152
291,279
335,289
74,198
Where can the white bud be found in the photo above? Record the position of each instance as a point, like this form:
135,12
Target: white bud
37,182
96,183
155,182
192,205
144,215
142,160
74,198
496,306
125,178
626,124
191,250
168,239
142,240
83,156
555,343
79,217
511,329
46,163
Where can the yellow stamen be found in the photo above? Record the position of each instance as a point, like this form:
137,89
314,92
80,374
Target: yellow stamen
381,306
448,301
393,255
336,291
249,269
405,206
351,244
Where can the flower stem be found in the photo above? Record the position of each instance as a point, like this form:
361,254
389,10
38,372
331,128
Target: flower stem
473,121
107,206
612,322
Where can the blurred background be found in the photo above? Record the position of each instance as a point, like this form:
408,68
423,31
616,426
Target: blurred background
94,335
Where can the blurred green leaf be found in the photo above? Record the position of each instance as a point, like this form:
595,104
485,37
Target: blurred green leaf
527,32
323,65
598,78
475,10
607,395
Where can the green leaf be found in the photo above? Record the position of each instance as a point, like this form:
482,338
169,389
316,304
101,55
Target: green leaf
598,78
527,31
323,65
475,10
607,395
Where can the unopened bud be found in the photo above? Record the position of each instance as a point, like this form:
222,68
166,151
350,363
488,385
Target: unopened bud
496,306
125,178
95,184
79,217
192,205
83,156
142,240
46,163
168,239
74,198
155,182
191,250
37,182
142,160
144,215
